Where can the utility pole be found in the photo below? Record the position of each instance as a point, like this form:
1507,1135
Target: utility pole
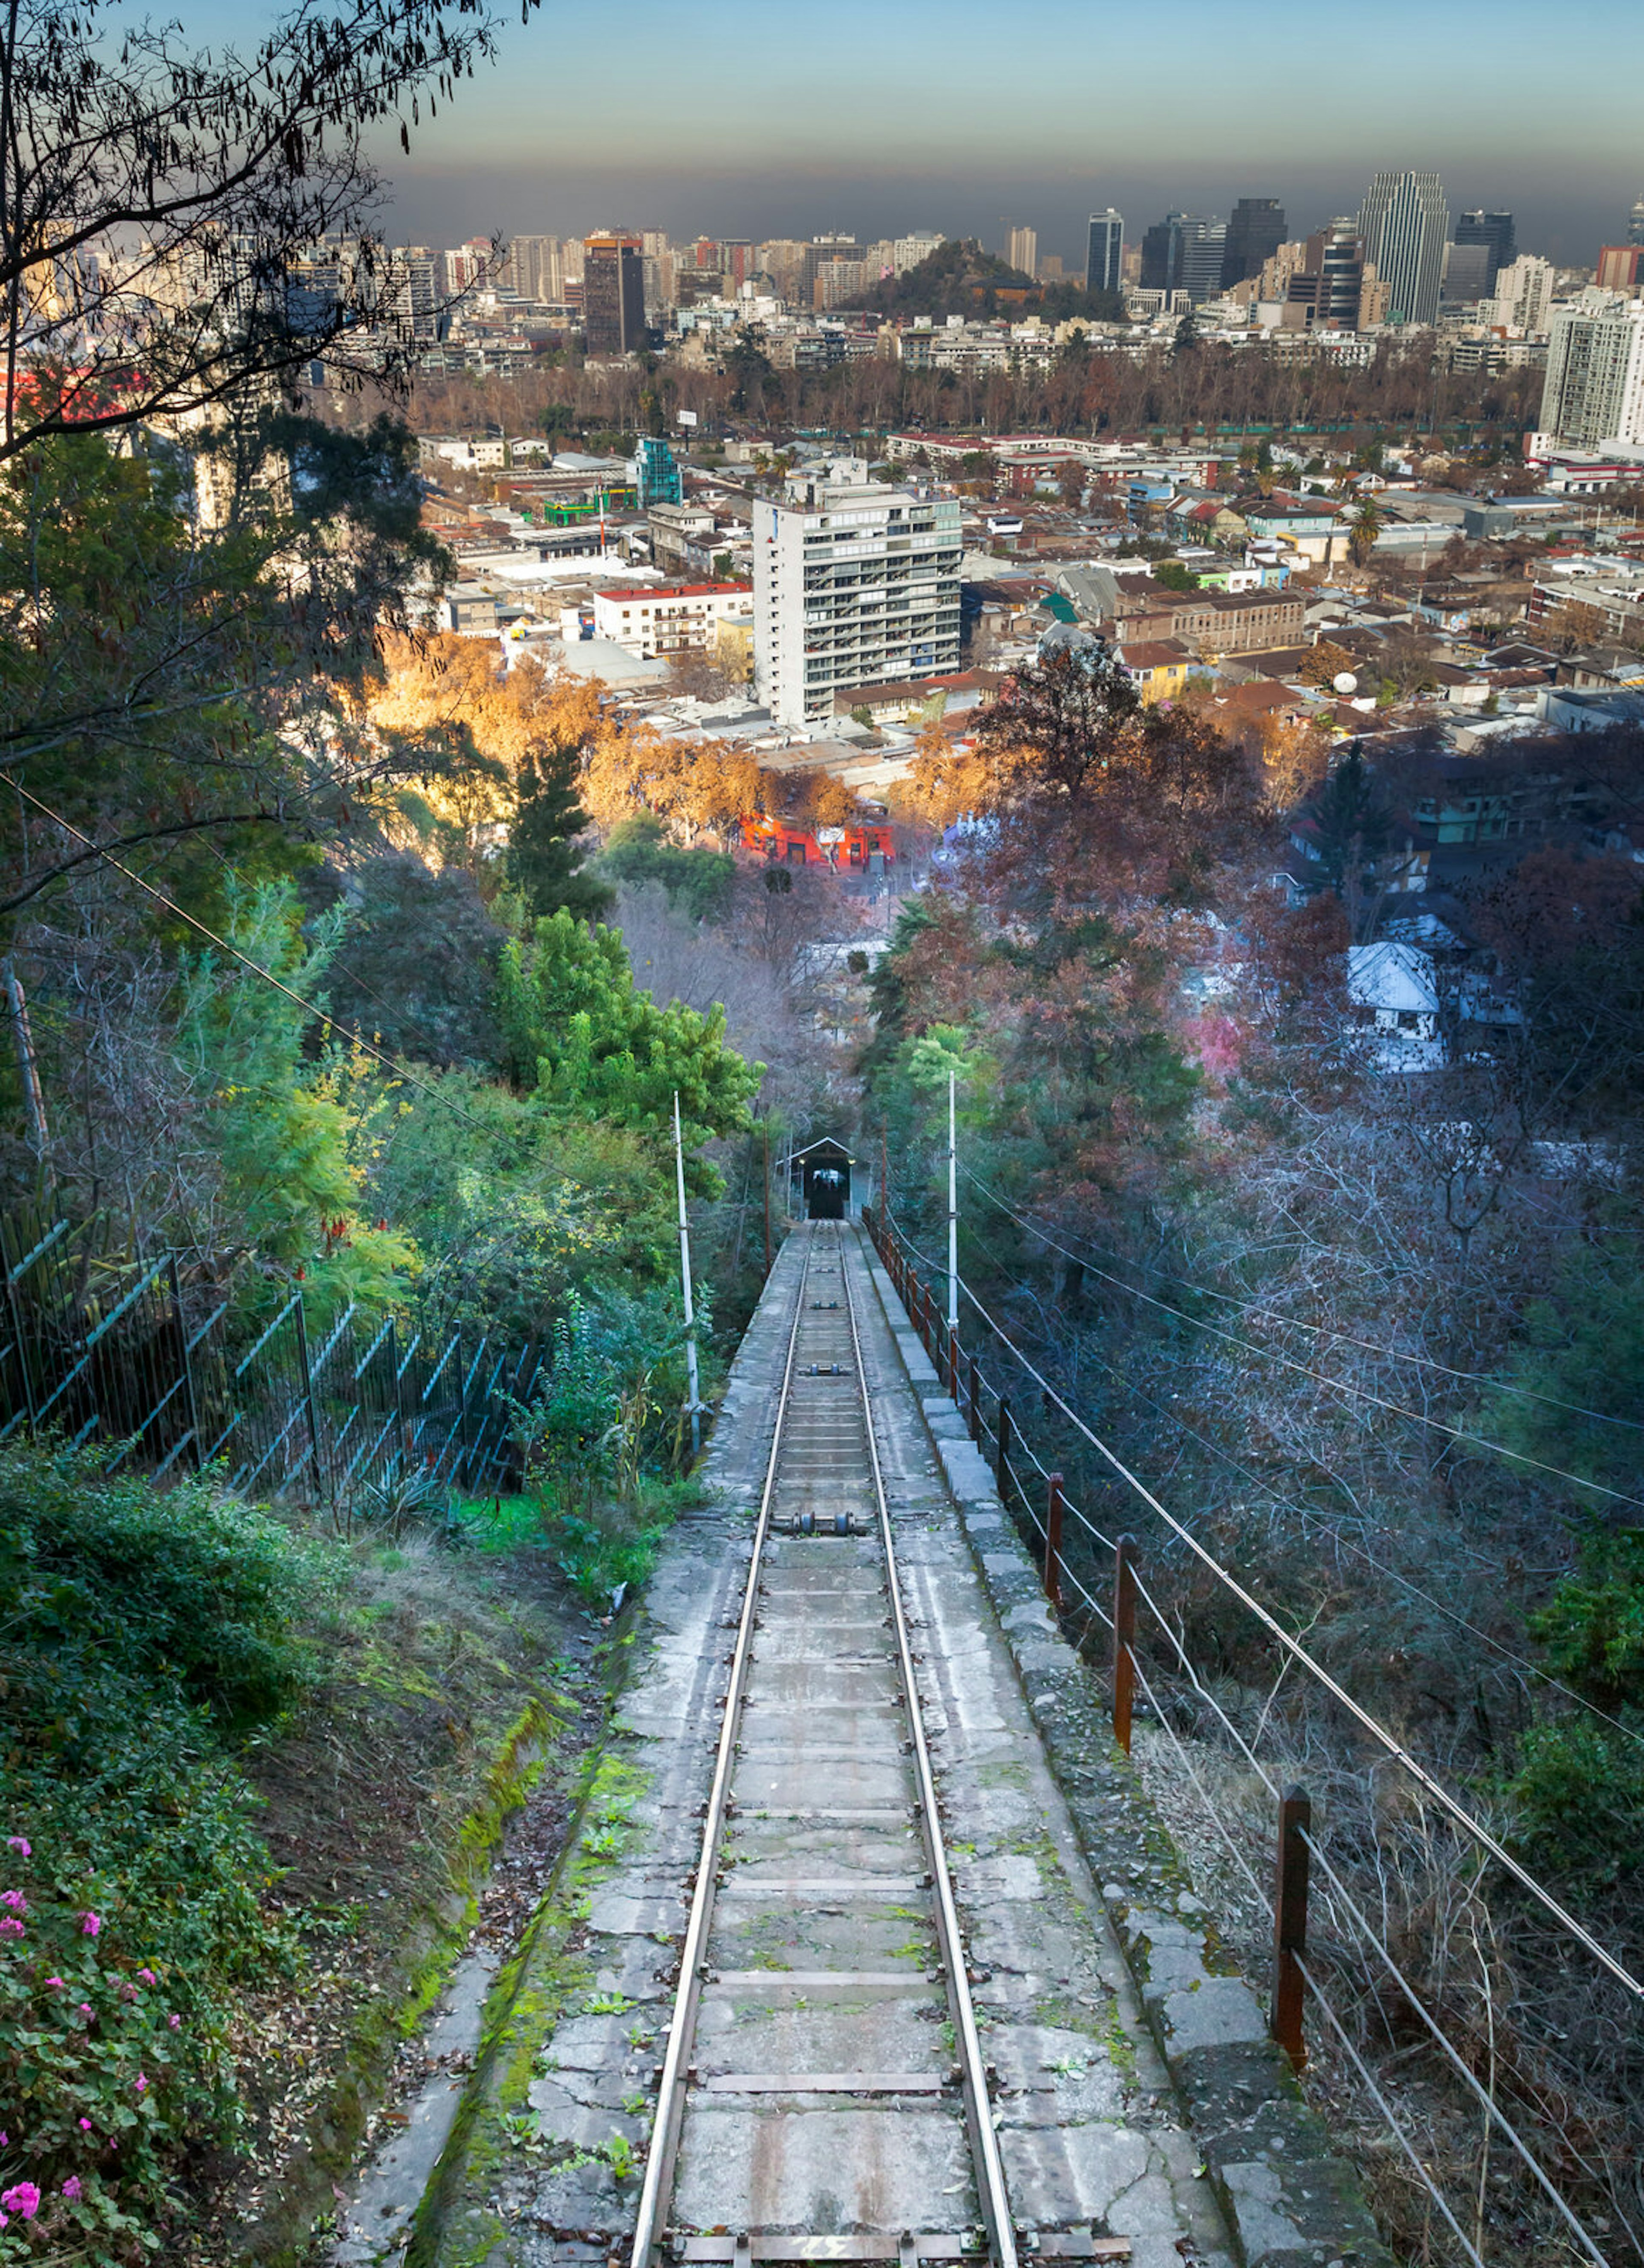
694,1404
953,1221
764,1132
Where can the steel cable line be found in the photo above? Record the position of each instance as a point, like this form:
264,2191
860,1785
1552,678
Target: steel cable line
1386,2110
1440,1793
1321,1331
309,1007
1372,1938
1366,1929
1337,1385
1307,1513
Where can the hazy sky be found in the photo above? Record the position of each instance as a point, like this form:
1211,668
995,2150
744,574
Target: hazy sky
743,120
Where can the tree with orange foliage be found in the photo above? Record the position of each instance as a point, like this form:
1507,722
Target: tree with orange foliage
524,734
1295,755
947,782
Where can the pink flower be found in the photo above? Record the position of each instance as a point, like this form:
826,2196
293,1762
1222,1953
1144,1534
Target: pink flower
143,2083
84,2009
54,1984
148,1976
15,1899
17,1843
128,1990
11,1927
71,2187
90,1924
86,2125
175,2023
4,2138
22,2199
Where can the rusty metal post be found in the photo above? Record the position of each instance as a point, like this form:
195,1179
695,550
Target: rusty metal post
1124,1638
1290,1923
1053,1543
1001,1468
973,1398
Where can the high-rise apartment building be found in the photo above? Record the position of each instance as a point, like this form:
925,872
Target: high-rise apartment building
534,266
469,265
854,583
1635,226
1021,250
413,295
1594,389
1496,233
1523,296
1406,221
781,258
908,251
1104,252
1288,260
1255,232
1620,266
613,292
823,248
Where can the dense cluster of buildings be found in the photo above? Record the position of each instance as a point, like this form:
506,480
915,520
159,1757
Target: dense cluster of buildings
1404,264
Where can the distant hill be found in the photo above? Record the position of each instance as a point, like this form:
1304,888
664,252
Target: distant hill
960,279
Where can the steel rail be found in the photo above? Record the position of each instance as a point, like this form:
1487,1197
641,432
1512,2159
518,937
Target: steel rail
658,2187
995,2197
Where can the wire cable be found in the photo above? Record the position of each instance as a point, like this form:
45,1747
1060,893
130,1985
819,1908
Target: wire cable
1386,2110
1321,1331
1435,1788
1307,1513
309,1007
1337,1385
1491,2107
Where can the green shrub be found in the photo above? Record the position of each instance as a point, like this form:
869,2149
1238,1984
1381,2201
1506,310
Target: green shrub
142,1628
111,2061
1578,1795
181,1586
1593,1626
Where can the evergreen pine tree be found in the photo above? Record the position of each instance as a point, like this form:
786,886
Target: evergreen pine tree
544,855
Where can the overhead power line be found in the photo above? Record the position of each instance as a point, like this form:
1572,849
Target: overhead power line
1362,1716
1306,1370
1309,1513
1319,1330
309,1007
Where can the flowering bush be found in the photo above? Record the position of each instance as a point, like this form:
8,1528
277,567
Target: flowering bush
100,2075
144,1632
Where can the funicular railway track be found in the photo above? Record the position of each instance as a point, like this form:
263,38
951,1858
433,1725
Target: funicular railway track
823,2092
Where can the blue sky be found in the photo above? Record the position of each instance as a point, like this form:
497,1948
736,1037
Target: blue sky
738,119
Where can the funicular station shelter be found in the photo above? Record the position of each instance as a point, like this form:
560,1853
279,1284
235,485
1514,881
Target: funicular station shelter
822,1169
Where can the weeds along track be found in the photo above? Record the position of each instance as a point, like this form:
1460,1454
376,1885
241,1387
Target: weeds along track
822,2049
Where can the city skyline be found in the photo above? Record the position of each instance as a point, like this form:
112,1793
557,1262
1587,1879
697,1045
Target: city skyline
441,207
749,130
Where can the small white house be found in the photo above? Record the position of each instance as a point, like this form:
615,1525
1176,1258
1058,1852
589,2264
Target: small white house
1395,1005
